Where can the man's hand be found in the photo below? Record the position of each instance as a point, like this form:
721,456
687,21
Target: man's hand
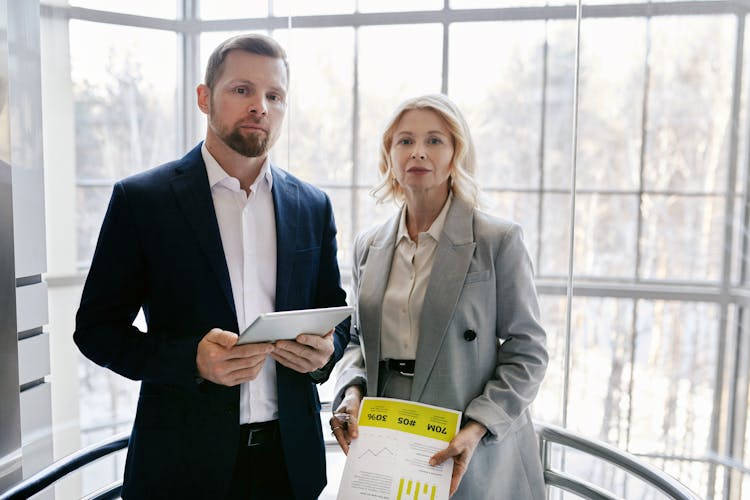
306,353
460,449
344,419
221,361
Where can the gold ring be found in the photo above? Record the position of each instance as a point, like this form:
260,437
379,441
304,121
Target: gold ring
334,429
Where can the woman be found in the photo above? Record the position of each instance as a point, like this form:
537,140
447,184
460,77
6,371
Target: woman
447,311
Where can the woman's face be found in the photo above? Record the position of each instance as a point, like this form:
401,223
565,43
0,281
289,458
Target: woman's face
421,153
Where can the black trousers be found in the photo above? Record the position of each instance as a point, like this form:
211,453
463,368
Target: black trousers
260,471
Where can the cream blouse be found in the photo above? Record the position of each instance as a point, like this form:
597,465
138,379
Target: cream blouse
407,284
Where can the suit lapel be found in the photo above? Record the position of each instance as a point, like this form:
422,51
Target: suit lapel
452,259
286,208
373,281
193,194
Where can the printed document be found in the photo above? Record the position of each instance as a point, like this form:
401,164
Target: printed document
390,458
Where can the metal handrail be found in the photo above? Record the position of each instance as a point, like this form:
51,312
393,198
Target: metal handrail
64,466
548,434
552,434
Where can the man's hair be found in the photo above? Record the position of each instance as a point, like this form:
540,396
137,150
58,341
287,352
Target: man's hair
252,43
463,164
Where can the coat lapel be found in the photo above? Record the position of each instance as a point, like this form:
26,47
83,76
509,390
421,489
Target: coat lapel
452,259
373,281
193,194
286,207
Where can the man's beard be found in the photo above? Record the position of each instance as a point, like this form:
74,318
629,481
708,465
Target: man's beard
251,146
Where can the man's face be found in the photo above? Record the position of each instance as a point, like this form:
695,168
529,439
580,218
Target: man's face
247,104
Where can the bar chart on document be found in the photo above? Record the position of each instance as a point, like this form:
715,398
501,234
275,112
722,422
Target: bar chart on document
390,458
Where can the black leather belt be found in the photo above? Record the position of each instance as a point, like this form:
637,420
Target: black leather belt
259,433
402,366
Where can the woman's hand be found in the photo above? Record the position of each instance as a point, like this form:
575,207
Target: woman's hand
344,420
460,449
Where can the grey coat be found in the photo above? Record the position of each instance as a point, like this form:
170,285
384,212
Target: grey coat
481,348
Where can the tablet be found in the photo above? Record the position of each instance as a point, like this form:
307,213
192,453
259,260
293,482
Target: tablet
286,325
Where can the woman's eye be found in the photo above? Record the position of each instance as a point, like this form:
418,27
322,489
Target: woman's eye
240,90
434,140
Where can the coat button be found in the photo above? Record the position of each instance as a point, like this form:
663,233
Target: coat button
470,335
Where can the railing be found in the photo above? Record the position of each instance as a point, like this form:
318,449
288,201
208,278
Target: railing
548,435
71,463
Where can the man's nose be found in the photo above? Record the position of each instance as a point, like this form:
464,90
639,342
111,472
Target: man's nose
258,106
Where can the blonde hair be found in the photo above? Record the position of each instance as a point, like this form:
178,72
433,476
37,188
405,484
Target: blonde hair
463,165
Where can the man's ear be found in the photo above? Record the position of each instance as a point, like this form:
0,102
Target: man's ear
203,95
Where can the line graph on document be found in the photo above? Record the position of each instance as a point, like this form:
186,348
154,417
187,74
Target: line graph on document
381,451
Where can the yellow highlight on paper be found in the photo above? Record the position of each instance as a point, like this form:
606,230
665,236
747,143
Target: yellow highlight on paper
418,419
419,489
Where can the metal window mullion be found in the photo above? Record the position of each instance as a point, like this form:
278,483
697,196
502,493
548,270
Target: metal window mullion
446,48
355,140
572,219
542,145
639,225
187,126
733,396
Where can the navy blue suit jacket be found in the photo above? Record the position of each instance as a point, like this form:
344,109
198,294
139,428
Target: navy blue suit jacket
160,249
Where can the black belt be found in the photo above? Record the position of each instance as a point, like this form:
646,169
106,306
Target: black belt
259,433
402,366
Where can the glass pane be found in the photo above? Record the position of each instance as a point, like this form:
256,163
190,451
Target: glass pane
743,135
548,404
398,5
553,257
606,235
165,8
91,205
307,8
522,208
319,143
674,380
232,9
602,330
341,199
124,89
680,240
504,114
370,212
387,77
613,55
558,126
689,101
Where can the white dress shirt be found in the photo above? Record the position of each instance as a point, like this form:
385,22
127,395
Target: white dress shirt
407,284
248,234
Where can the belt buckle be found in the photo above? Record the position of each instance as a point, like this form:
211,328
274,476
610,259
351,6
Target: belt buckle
402,373
250,438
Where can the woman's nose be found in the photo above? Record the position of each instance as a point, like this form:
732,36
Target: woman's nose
418,153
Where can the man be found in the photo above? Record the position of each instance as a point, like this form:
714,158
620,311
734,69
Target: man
204,244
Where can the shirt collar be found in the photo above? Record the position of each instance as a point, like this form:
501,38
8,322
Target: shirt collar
435,229
217,175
